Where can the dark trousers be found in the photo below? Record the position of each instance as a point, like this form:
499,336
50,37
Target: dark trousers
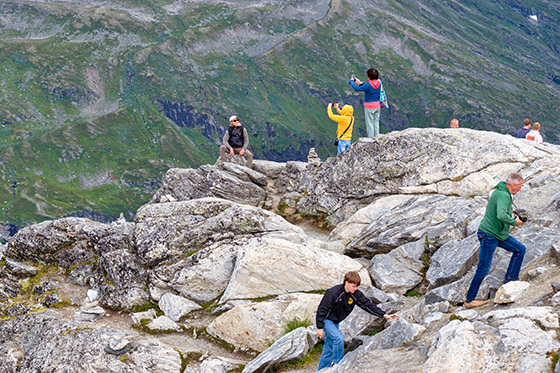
488,244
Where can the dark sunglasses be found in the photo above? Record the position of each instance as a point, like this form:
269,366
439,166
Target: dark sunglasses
235,120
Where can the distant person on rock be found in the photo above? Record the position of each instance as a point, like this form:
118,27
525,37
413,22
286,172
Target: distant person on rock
534,134
345,123
493,231
454,123
235,141
374,99
523,131
337,303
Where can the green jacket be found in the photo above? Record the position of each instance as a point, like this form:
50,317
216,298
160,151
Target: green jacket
497,219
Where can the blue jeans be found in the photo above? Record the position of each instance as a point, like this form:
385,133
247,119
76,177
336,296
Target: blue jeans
372,121
343,145
333,349
488,244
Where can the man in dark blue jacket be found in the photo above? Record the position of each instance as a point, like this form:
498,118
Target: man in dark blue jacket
337,303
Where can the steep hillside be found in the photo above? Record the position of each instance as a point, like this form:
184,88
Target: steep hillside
100,98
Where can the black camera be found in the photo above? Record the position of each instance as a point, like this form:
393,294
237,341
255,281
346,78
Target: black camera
521,214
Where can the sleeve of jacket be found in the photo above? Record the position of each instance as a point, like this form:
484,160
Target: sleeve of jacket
245,138
225,140
334,117
503,211
323,309
367,305
361,87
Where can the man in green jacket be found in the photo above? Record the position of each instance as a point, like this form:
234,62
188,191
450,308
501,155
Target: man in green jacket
493,231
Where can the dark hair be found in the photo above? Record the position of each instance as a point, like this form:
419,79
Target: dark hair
353,277
527,122
373,74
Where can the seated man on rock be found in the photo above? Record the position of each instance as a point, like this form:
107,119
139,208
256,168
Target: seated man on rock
235,141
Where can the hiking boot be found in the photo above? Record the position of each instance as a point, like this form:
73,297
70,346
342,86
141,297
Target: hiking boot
475,303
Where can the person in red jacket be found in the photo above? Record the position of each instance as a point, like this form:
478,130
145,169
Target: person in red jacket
337,303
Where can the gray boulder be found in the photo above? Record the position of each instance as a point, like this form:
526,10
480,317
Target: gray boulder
438,218
451,261
400,270
175,307
292,346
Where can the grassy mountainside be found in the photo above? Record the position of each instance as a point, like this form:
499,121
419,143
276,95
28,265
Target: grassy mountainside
99,99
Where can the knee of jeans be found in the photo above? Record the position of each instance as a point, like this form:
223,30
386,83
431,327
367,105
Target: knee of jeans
338,340
483,269
522,249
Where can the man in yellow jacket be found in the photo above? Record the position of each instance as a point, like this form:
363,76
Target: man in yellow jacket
345,123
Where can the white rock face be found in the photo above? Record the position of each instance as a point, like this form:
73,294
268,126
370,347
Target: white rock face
274,266
257,325
508,293
175,307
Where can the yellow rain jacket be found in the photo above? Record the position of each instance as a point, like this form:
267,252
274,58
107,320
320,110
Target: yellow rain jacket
343,121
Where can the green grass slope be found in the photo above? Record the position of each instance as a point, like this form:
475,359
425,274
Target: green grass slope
98,101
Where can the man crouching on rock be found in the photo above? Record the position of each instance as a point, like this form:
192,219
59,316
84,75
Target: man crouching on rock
493,231
337,303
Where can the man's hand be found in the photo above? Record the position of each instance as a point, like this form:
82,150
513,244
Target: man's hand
320,333
517,221
241,152
390,317
231,152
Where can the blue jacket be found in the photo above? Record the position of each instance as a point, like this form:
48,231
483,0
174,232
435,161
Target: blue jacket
372,95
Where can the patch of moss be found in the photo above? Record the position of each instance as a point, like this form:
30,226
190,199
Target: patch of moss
145,307
412,293
455,317
282,206
187,358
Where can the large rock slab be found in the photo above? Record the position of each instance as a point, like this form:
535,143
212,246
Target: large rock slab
400,270
438,218
210,181
351,227
451,261
464,163
201,277
258,325
69,241
270,266
171,230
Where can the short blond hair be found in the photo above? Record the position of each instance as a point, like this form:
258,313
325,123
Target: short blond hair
536,126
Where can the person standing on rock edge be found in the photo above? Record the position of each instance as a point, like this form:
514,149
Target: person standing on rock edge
235,141
337,303
345,123
493,231
373,100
